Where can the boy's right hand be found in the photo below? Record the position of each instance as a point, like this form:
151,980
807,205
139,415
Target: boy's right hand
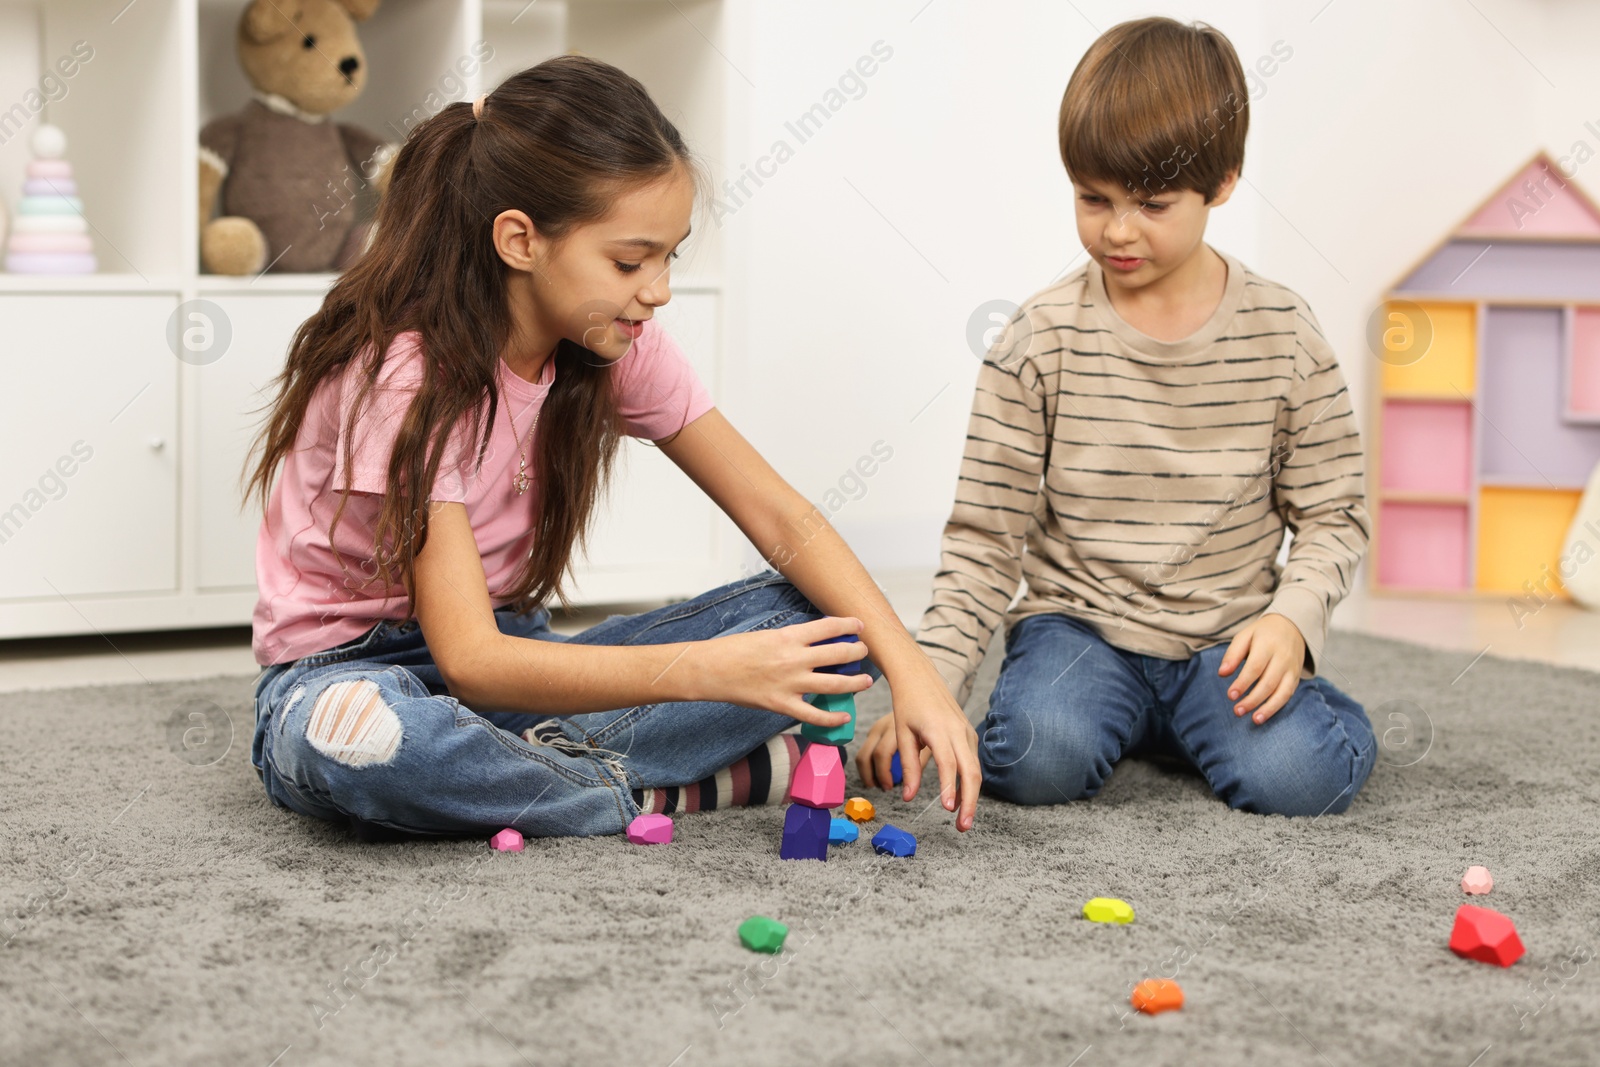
876,754
775,669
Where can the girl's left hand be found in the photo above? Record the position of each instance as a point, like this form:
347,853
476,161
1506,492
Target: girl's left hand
926,723
1272,650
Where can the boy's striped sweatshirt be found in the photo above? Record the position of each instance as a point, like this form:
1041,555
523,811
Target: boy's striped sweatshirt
1144,486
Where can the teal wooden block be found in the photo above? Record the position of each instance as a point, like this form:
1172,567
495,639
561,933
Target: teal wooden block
842,832
832,735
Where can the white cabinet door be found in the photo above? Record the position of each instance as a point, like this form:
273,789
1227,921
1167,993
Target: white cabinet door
88,485
659,534
234,399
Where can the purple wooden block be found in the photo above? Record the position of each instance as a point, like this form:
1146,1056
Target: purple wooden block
805,833
1523,436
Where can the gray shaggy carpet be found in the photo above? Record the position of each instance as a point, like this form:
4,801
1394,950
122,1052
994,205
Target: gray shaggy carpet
158,910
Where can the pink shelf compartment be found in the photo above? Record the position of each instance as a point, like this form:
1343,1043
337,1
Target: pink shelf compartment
1583,367
1424,546
1427,447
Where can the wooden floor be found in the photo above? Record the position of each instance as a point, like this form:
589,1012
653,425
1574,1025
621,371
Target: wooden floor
1560,633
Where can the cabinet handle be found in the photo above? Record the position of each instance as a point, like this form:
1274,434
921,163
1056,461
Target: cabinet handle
158,443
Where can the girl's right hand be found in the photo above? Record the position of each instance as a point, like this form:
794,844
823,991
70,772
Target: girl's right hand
774,669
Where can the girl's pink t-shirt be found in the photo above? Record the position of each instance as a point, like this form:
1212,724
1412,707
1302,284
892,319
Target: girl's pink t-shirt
307,604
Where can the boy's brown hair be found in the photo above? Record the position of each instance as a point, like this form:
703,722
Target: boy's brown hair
1155,105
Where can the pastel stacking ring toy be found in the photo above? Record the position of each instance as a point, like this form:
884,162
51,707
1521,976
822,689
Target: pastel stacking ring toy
49,187
49,234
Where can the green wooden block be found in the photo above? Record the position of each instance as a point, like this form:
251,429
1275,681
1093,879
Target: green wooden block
761,934
831,735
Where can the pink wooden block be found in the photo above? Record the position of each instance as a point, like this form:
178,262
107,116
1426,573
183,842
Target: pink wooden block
1583,382
819,778
1477,880
1423,546
1524,205
507,840
1427,448
650,830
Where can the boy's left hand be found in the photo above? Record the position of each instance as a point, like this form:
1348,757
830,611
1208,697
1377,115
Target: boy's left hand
1272,650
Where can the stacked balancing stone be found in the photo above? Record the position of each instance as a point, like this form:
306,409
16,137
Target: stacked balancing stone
819,778
49,234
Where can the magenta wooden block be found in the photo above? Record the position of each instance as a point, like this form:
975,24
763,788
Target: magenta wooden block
650,830
1423,546
1583,371
1524,437
507,840
819,778
1427,448
805,833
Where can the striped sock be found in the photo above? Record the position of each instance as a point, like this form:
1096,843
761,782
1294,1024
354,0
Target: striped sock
762,777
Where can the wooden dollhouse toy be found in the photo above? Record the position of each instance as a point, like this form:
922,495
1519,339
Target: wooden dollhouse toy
1487,421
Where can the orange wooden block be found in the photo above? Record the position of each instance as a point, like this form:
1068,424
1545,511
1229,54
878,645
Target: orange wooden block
859,809
1156,995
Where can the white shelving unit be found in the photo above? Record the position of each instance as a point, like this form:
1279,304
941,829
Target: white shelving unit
149,531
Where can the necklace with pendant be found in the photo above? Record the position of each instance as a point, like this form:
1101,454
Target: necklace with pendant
519,481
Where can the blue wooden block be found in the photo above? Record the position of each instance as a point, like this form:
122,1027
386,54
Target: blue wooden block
842,832
853,667
895,772
893,841
805,833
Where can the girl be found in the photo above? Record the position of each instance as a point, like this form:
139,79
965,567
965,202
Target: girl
522,249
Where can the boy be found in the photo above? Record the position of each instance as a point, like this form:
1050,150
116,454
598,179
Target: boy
1147,429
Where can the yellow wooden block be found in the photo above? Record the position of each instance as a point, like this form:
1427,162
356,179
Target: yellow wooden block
1429,349
1520,532
1108,910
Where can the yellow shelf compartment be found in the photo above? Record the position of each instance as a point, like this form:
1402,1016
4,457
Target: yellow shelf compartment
1447,366
1520,533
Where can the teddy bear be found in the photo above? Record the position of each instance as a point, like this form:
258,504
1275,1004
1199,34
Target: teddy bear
283,173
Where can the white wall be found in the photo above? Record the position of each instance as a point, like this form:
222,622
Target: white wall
1377,135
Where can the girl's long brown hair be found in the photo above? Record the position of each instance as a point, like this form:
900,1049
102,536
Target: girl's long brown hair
558,141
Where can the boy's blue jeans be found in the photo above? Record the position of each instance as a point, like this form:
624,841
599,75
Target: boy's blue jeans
456,771
1068,705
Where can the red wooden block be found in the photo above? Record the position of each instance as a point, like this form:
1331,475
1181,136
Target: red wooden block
1485,935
